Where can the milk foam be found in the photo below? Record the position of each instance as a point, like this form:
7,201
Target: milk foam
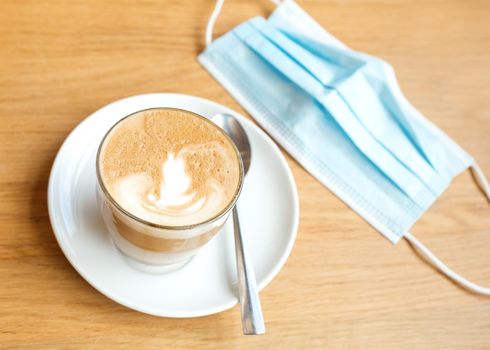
169,167
174,203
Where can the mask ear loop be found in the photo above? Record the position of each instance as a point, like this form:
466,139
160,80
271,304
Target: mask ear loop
214,16
485,186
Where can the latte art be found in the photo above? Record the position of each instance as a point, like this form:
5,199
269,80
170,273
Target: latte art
175,201
174,187
169,167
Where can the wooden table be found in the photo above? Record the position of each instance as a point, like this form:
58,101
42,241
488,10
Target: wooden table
344,286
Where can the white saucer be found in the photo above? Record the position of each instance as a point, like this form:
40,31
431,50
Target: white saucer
268,210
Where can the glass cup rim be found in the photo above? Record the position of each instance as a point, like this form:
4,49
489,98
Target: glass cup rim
212,219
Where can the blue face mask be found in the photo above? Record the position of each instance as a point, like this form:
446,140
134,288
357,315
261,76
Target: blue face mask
342,115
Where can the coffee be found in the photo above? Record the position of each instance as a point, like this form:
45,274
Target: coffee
169,167
168,179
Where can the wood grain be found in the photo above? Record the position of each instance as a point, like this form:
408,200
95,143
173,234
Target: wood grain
344,286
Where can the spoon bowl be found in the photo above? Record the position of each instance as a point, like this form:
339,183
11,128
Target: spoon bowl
236,132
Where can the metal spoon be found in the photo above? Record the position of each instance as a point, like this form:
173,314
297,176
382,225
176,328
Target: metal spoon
252,319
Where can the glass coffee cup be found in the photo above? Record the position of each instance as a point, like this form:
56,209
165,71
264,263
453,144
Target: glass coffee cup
167,180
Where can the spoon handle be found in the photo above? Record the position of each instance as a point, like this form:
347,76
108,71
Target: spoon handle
252,319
